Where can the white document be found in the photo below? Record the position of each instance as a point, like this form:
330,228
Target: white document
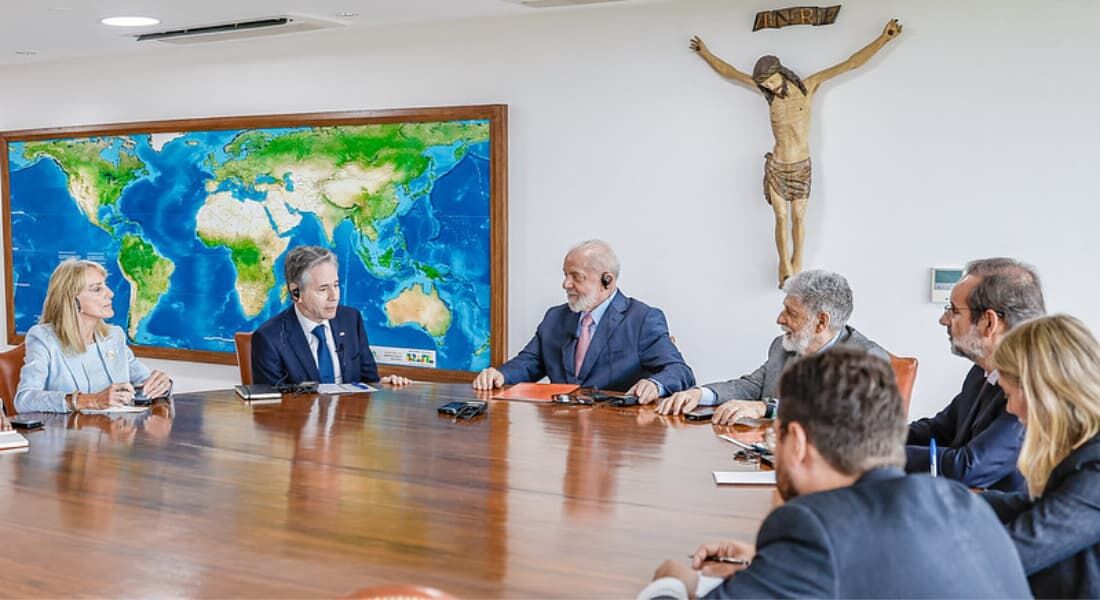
114,410
744,477
344,388
10,440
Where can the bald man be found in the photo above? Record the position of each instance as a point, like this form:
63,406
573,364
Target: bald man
599,338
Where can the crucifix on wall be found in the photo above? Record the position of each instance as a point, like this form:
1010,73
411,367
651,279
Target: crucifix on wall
787,166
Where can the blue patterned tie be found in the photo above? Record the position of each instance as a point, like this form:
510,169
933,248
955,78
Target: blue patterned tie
324,359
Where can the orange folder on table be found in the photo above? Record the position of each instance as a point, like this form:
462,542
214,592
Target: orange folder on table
535,392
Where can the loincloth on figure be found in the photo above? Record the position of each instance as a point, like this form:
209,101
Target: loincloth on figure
790,180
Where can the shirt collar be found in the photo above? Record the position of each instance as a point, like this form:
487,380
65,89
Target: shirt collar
601,308
832,342
308,325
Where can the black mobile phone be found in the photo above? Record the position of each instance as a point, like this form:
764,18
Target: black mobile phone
701,414
141,399
26,423
451,408
624,401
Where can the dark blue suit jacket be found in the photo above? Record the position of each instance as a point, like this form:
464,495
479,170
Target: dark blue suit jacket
886,536
630,343
280,352
1058,535
977,440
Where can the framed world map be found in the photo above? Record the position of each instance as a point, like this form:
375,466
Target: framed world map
193,219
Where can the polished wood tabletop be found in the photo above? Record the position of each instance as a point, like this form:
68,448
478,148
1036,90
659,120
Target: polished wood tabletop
318,496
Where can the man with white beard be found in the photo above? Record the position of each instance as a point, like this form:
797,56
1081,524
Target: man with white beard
599,338
814,318
977,440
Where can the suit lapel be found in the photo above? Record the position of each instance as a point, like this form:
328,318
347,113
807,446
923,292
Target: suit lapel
611,319
299,345
569,348
962,434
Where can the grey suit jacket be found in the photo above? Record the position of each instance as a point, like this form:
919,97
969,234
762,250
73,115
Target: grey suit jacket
886,536
764,382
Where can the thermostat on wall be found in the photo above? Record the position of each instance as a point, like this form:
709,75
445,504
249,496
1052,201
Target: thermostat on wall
943,279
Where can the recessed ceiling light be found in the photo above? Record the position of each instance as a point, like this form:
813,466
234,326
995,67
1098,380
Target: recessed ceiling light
347,14
129,21
26,52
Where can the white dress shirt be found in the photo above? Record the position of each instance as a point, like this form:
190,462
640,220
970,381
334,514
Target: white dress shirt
330,340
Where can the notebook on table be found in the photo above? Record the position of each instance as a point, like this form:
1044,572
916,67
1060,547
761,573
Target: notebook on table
13,440
535,392
256,393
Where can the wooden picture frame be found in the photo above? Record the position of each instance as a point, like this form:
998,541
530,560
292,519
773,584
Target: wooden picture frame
496,115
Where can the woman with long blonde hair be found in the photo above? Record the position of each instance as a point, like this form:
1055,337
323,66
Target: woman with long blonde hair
1050,372
75,360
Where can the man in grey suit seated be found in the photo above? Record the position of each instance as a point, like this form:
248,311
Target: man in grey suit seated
854,524
814,318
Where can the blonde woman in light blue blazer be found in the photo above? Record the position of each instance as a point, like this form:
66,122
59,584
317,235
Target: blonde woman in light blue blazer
75,360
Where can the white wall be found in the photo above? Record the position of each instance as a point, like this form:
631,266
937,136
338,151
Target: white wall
972,135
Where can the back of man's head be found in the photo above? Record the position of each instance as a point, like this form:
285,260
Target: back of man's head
848,403
1008,287
822,292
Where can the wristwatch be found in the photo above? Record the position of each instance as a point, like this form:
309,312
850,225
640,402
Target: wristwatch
772,407
70,401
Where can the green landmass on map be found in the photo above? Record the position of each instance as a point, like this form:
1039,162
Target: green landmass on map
93,180
148,274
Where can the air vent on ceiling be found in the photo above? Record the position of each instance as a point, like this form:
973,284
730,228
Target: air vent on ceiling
239,30
558,3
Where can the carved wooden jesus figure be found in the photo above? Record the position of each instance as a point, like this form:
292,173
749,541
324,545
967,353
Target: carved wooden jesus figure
787,166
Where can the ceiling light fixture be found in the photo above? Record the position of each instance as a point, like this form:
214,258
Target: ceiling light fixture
129,21
26,52
347,14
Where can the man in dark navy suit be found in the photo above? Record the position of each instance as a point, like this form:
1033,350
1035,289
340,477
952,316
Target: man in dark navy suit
854,524
599,338
316,339
977,440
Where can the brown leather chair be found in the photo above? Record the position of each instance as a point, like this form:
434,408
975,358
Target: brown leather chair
400,592
11,363
905,371
243,341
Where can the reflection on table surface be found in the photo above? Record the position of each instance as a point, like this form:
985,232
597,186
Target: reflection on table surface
321,495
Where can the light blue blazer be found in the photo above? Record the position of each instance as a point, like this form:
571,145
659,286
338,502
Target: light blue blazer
49,373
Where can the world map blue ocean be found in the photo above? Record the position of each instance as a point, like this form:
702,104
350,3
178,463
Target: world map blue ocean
442,221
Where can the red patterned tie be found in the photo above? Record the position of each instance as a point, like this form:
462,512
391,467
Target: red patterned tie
582,344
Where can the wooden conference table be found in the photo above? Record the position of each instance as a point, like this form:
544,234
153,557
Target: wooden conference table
321,495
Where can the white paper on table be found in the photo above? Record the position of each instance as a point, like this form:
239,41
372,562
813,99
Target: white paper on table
114,409
744,477
344,388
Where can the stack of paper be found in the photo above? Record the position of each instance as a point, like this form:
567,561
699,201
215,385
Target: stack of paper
11,440
744,477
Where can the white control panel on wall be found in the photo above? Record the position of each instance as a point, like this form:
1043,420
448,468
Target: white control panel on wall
943,279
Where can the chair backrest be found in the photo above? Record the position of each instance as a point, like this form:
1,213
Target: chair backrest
400,592
11,363
905,371
243,341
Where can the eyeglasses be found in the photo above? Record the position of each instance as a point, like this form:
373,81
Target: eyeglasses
954,310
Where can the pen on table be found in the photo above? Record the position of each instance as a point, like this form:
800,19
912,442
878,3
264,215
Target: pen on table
736,441
723,559
932,458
